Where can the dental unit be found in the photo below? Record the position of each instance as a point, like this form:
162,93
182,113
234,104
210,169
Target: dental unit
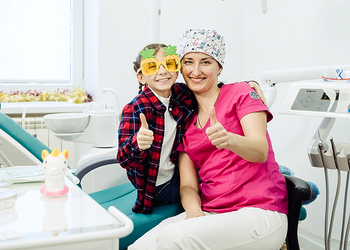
324,92
95,126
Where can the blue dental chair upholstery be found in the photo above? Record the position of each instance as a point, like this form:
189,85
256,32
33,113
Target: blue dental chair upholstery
29,142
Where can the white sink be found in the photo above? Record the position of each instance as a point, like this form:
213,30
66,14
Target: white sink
67,122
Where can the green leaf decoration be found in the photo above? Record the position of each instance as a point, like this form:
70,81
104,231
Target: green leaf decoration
147,53
170,50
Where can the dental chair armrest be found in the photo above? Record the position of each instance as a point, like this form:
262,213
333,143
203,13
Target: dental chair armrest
298,191
86,168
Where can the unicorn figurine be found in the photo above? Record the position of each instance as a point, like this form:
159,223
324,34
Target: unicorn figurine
55,168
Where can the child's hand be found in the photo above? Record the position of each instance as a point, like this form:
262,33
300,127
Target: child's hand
144,136
217,134
258,90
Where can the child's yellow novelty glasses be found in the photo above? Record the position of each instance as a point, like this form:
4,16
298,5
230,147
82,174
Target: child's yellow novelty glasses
150,64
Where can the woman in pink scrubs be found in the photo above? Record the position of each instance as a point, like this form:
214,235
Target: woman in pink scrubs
231,189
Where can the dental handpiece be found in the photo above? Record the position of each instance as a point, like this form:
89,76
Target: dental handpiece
334,151
321,151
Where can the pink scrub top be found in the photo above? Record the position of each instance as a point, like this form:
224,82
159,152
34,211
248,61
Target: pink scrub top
228,181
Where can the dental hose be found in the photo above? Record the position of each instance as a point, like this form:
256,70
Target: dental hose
333,210
348,227
343,224
347,236
336,195
326,226
321,151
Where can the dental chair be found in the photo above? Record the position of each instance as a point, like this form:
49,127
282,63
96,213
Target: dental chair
298,191
13,138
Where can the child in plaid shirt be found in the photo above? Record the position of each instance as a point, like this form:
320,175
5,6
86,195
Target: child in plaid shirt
152,126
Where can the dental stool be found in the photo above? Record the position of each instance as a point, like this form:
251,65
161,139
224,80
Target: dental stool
123,197
298,191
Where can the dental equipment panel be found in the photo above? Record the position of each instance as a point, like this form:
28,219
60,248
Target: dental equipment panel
318,98
330,100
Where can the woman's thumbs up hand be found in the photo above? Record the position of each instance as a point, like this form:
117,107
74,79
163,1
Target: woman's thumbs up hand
217,134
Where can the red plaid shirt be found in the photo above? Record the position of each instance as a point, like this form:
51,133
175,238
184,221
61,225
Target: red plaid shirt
142,166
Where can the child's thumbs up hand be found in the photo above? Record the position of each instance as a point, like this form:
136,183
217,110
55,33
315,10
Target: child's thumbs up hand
144,136
217,134
144,123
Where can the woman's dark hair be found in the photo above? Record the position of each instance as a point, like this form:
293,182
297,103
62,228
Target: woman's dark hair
137,62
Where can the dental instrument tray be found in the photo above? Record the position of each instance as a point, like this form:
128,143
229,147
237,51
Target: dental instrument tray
21,174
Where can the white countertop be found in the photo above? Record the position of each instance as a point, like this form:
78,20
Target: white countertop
42,222
41,107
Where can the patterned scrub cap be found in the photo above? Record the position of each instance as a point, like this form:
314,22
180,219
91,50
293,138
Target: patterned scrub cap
206,41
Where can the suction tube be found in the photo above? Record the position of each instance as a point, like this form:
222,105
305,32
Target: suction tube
321,151
336,194
344,212
348,227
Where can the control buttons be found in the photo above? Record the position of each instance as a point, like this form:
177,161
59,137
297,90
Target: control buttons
311,100
307,101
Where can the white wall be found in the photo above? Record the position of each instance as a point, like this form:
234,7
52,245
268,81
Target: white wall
115,31
292,34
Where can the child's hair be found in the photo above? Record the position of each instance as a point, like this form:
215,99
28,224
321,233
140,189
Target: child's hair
137,62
